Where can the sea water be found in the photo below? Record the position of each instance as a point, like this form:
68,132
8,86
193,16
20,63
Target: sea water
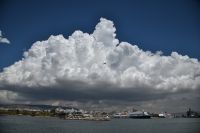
28,124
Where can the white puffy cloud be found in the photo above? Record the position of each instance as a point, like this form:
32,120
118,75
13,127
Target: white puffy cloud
99,58
3,39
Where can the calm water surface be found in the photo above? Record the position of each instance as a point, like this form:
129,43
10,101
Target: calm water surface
28,124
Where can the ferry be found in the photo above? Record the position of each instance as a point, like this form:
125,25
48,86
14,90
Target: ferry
139,115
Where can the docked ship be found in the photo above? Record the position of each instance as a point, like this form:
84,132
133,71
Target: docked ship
139,115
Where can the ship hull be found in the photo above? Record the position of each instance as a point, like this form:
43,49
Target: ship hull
140,117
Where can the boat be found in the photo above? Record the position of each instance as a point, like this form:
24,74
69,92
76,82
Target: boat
161,115
139,115
117,115
120,115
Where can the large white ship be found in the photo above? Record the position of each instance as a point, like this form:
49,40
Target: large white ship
139,115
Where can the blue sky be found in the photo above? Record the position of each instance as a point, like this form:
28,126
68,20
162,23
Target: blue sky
168,25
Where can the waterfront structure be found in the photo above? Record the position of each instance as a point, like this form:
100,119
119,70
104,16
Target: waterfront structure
192,114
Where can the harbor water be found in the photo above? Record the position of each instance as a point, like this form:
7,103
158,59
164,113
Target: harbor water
28,124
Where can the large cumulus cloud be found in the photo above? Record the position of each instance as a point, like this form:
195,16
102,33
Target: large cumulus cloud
98,66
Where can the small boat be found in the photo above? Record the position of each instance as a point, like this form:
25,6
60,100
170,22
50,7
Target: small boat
117,115
139,115
161,116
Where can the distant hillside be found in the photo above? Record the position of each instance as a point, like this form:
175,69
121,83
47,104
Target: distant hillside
32,106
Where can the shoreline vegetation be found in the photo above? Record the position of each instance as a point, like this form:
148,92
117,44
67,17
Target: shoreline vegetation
70,113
